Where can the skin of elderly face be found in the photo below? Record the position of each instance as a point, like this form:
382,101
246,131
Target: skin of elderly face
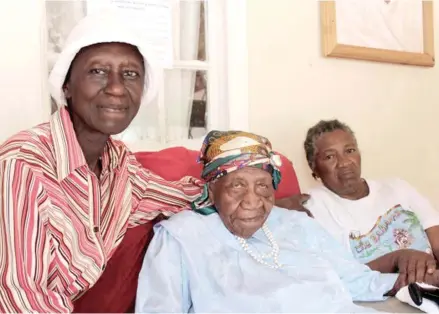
338,161
105,87
243,198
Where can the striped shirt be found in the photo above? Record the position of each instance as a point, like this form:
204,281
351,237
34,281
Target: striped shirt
59,223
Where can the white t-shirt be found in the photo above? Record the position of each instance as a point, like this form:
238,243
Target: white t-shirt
393,216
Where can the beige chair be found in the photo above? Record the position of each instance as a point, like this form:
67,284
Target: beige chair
392,305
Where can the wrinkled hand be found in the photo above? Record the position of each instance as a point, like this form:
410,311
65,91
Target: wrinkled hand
159,218
432,279
402,281
295,202
415,266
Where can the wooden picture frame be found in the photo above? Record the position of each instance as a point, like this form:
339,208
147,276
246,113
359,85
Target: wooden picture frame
331,48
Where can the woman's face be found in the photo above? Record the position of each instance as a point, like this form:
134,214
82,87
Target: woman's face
338,162
243,198
105,87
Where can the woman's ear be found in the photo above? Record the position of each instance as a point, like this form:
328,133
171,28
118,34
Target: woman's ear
66,90
211,190
314,171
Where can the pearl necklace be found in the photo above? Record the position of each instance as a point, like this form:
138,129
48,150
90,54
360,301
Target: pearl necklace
274,254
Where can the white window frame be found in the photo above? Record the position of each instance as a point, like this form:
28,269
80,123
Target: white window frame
226,37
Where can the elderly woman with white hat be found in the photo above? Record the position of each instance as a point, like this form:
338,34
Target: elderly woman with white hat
68,190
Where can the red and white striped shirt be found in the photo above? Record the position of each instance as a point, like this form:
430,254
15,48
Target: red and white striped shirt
59,223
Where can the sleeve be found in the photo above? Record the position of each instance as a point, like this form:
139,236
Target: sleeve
363,283
154,195
24,245
421,206
163,285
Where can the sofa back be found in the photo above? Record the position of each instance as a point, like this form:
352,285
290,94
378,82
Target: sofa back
176,162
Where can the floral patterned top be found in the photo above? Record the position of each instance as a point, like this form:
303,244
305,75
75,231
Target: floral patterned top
397,229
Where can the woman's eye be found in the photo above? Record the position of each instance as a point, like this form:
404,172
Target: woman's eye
328,157
237,185
97,71
263,185
131,74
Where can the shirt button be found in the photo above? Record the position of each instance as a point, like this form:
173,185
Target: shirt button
96,229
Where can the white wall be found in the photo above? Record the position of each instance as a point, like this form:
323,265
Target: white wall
393,109
21,66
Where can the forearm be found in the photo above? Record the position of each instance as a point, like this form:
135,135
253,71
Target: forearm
153,196
436,254
292,202
295,202
433,238
282,202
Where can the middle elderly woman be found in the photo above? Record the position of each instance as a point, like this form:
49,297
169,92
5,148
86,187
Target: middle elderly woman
237,252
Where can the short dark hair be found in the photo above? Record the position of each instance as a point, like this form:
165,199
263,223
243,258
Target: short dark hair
322,127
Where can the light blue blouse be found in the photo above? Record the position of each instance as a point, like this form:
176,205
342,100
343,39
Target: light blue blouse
194,264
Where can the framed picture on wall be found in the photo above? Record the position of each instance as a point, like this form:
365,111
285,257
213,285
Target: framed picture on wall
392,31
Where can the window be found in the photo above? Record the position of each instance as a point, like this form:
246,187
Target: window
207,86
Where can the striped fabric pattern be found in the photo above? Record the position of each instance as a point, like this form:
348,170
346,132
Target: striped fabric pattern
59,223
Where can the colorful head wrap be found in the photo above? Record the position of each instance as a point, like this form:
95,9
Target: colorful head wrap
225,152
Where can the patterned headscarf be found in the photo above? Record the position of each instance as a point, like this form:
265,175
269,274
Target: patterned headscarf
225,152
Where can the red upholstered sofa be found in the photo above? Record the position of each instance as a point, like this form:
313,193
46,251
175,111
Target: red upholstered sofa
115,291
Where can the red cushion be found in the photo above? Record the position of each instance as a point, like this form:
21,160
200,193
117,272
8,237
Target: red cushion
115,291
176,162
172,163
289,185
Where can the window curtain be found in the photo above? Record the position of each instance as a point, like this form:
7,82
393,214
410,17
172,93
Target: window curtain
180,84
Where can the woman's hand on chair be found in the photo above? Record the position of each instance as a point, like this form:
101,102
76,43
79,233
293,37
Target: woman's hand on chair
295,202
416,266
